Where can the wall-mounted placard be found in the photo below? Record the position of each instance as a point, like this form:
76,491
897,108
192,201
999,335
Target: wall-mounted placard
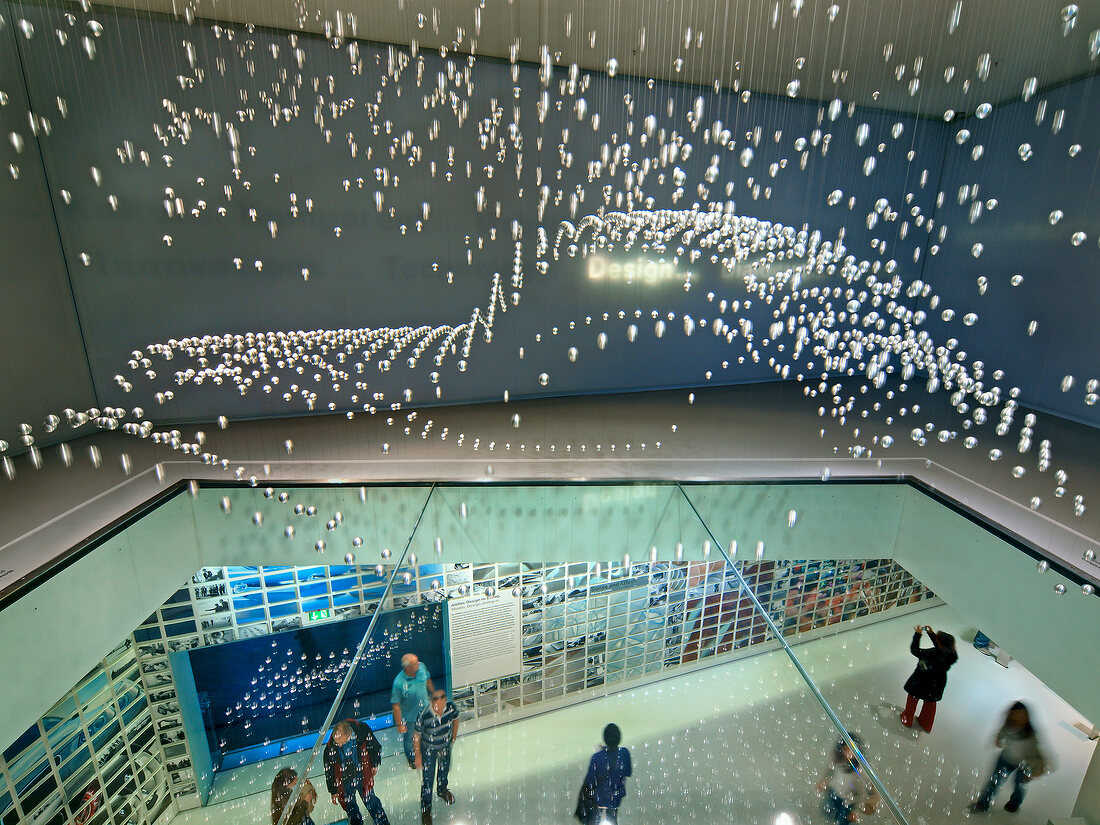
484,633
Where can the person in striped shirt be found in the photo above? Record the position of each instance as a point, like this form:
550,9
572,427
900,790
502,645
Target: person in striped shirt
436,729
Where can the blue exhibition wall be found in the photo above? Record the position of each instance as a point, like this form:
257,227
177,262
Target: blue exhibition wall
257,693
187,208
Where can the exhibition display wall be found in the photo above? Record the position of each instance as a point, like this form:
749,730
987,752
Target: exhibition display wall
581,629
255,693
95,756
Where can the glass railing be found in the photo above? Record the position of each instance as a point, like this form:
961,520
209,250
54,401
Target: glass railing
720,627
849,784
668,639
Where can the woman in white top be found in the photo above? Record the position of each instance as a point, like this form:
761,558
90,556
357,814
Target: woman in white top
1021,755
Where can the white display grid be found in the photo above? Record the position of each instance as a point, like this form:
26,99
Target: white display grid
96,754
584,628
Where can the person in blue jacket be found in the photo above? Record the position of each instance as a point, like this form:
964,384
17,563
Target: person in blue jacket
606,779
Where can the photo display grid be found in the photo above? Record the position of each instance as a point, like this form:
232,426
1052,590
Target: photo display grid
95,757
585,627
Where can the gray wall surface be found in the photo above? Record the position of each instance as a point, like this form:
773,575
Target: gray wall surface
43,368
1040,205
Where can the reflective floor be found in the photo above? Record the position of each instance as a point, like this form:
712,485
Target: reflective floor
740,742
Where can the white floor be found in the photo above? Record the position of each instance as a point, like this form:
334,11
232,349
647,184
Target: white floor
740,742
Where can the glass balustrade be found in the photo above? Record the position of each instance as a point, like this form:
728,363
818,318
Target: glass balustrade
751,666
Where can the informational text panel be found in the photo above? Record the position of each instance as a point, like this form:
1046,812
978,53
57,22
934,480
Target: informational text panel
484,636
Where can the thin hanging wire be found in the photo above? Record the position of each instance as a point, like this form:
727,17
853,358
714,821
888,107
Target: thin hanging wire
837,723
352,665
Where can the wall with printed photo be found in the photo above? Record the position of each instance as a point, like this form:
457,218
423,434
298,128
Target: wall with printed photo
587,629
93,758
583,630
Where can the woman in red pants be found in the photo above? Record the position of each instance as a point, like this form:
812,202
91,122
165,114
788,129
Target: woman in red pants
930,678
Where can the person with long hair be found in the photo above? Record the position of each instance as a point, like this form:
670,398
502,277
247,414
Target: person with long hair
281,790
930,677
606,778
1020,754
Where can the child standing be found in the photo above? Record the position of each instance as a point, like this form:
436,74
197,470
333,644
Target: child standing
845,789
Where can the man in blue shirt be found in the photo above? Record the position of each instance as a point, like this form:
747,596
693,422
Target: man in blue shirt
436,729
409,696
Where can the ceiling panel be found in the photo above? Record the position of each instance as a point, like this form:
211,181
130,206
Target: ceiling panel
851,50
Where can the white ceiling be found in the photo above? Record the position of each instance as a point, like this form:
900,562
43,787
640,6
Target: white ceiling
758,45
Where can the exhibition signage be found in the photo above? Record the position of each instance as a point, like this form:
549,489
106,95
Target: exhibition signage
485,637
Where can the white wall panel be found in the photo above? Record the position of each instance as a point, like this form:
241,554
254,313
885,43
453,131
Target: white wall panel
1001,591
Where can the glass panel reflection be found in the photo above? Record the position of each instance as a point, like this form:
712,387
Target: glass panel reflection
584,626
631,614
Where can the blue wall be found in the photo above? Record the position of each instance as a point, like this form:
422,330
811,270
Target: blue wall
276,687
1060,289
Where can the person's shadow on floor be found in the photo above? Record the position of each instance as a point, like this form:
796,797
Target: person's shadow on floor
888,717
